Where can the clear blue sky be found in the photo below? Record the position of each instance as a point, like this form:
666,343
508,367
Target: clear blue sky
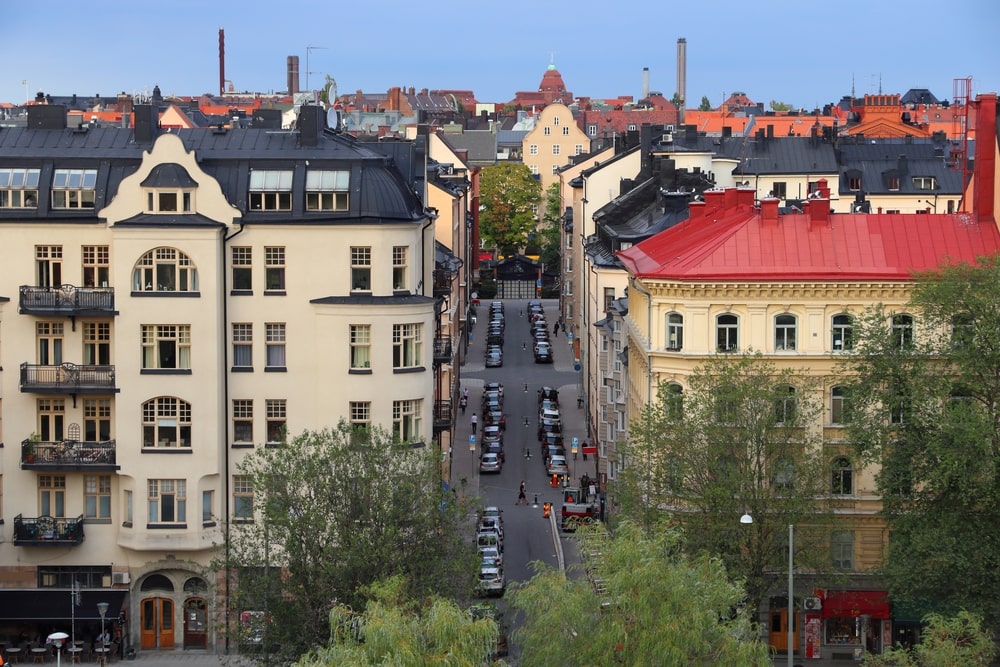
799,52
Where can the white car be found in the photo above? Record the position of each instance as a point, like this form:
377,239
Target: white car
557,466
490,462
491,556
491,581
490,525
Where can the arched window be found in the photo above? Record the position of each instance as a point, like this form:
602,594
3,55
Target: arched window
843,333
675,332
164,270
674,402
156,582
784,332
166,422
727,333
840,409
785,403
902,331
842,478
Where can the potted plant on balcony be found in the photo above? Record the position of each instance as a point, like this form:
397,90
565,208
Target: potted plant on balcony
30,450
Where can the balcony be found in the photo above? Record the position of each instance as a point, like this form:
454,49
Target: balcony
47,531
67,379
443,279
443,417
68,455
67,300
442,349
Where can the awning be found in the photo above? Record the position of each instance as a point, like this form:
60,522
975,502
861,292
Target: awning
44,604
851,604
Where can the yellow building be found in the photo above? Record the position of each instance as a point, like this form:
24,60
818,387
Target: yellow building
551,144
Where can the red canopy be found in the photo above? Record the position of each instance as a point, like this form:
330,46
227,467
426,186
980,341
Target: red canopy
851,604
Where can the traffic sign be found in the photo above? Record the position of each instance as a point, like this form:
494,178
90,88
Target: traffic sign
574,444
472,443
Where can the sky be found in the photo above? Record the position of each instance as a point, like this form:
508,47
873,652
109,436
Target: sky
801,53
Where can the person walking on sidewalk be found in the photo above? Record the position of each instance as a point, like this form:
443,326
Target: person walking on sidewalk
475,420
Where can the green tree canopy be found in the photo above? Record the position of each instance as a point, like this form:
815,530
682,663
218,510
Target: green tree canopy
780,106
925,407
676,100
639,601
509,195
945,642
706,104
394,630
549,229
735,440
333,511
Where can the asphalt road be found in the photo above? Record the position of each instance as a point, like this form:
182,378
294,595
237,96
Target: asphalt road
528,537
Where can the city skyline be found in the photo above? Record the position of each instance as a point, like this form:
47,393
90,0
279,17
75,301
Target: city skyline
780,52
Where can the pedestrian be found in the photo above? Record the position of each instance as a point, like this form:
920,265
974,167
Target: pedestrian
584,449
475,421
522,496
463,403
555,330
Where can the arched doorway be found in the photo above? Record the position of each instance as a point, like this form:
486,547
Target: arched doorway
156,613
195,613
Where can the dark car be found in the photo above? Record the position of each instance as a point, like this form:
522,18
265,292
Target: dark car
550,438
492,397
548,451
495,417
555,428
548,393
494,339
543,353
493,403
494,386
495,448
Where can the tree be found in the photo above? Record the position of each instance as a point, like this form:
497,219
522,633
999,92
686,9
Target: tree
780,106
706,104
640,601
736,440
945,642
549,229
330,512
925,397
676,100
509,195
393,630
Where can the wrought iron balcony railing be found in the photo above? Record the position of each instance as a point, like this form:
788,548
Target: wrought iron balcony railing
67,379
67,300
68,455
443,416
442,349
48,531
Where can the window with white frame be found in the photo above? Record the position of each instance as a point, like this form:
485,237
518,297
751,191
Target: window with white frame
207,506
48,265
555,120
785,402
406,345
784,332
924,183
166,422
842,477
271,190
609,299
400,267
242,345
632,127
726,403
556,168
675,332
361,269
274,268
74,188
96,261
727,333
578,149
360,414
52,495
49,341
242,268
127,508
96,420
361,344
902,331
555,149
406,420
533,168
843,333
242,498
327,190
569,265
166,346
592,130
167,501
547,131
97,497
276,414
243,421
164,270
274,342
532,149
840,406
783,474
19,188
842,549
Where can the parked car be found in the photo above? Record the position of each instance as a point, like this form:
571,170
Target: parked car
492,396
493,404
492,511
490,524
548,451
494,386
557,466
548,394
547,404
543,353
488,540
490,462
491,581
491,556
495,417
494,360
552,438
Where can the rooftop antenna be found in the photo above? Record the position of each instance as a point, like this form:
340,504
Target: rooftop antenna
310,49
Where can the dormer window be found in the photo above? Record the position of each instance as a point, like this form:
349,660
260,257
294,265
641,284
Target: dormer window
924,183
271,190
327,190
892,182
74,188
19,188
169,190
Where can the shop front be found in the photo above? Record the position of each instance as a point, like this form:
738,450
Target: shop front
855,623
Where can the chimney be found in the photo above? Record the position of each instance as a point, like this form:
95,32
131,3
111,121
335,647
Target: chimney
147,123
714,201
823,189
645,148
769,211
745,197
309,125
984,186
47,117
292,73
645,83
901,165
730,198
770,131
681,77
696,211
819,212
222,62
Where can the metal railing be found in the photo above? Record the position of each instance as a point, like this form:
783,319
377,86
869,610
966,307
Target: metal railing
66,299
48,531
69,378
67,454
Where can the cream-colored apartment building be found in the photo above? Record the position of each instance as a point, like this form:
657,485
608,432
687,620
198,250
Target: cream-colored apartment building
552,143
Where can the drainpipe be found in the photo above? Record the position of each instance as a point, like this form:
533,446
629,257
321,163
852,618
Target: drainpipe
649,337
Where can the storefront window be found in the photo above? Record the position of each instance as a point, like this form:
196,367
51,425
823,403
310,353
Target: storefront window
841,631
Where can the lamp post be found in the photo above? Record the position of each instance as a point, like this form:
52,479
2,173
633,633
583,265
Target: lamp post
747,519
102,608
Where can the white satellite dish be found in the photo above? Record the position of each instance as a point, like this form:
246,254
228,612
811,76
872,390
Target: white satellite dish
333,119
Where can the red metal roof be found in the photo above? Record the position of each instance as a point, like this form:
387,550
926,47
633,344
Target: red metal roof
736,244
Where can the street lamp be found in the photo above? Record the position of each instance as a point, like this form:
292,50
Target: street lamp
102,608
746,519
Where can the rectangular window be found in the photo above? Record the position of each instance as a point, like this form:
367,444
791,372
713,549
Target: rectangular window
406,344
361,343
167,202
361,413
399,267
97,496
779,190
592,130
166,346
270,190
207,506
19,188
242,498
96,265
277,420
327,190
242,269
578,149
49,339
565,131
555,149
97,343
784,333
74,188
533,149
48,265
893,183
127,508
547,131
842,549
96,420
275,343
52,495
242,345
242,421
167,501
361,269
274,268
609,298
924,183
406,420
854,183
51,419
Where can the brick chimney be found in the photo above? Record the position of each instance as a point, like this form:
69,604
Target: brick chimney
818,211
696,211
714,201
745,197
730,199
984,182
769,212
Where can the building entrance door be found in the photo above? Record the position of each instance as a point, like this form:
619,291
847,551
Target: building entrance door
157,623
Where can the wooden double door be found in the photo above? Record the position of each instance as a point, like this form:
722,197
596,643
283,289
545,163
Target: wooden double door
157,621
